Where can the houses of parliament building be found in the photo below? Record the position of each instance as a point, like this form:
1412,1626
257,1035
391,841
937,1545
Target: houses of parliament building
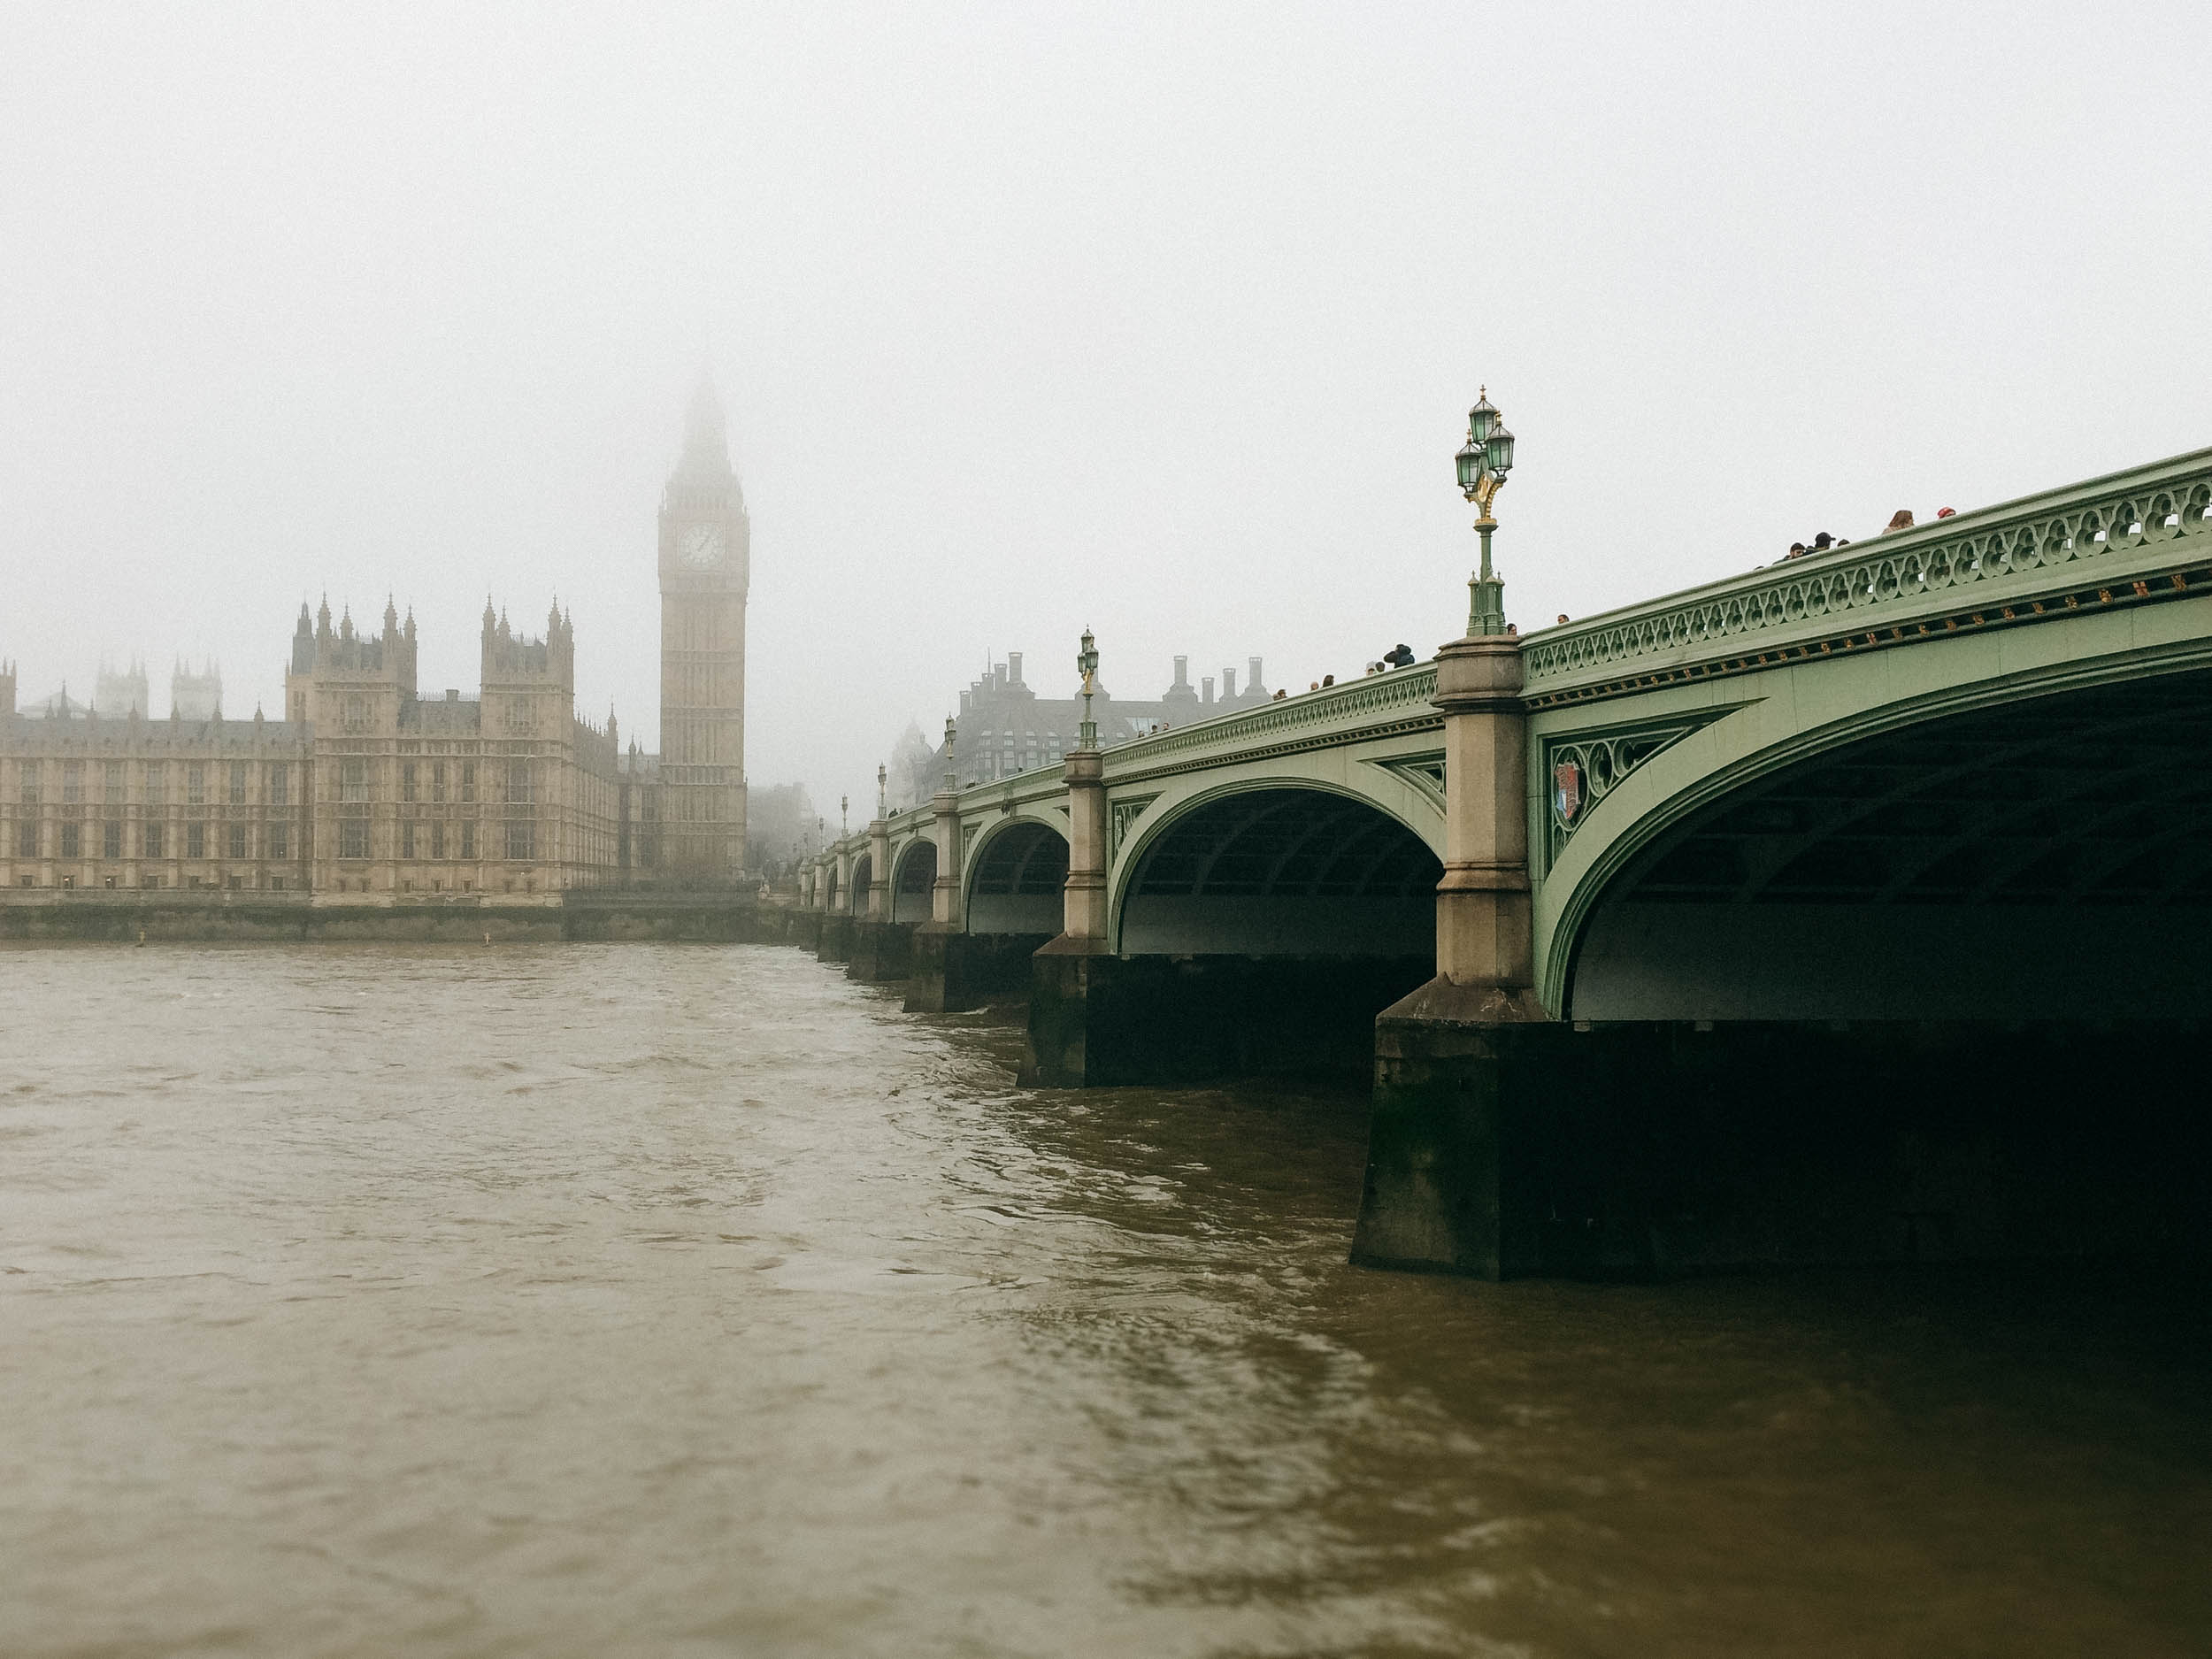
365,791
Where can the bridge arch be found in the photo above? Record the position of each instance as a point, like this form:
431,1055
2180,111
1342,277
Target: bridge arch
829,887
862,876
916,872
1015,874
1276,867
2034,844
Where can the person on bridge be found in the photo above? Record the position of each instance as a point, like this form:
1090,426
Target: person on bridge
1902,519
1403,658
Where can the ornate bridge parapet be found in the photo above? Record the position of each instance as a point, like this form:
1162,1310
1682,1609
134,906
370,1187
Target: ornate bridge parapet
2130,538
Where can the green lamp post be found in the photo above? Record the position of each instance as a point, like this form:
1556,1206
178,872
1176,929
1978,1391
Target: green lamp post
1484,461
1086,666
952,770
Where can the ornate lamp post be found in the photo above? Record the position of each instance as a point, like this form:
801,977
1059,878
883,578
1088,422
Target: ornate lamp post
952,771
883,794
1484,461
1086,666
844,817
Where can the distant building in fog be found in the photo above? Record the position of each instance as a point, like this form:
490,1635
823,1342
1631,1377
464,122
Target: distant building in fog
191,697
118,693
1006,728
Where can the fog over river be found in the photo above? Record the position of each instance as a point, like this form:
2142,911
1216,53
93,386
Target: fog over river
664,1299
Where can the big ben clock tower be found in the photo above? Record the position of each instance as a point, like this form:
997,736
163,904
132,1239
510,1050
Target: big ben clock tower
706,559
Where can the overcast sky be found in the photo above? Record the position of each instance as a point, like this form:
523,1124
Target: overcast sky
1162,319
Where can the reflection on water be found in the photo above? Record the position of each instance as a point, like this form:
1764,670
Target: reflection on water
661,1300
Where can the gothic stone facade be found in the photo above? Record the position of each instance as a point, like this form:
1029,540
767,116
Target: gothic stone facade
366,791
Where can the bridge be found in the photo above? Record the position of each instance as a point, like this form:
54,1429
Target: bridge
1852,907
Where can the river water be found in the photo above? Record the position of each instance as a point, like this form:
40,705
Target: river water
660,1300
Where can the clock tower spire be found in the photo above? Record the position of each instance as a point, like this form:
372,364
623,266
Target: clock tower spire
705,566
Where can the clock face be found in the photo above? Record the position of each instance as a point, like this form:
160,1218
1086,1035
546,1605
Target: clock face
700,546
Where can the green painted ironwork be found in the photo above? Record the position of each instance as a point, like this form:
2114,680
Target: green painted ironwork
1603,758
1995,553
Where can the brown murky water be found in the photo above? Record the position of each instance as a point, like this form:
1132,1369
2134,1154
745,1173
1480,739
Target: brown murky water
639,1299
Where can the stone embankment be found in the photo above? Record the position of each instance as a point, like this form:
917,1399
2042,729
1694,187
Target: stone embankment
133,916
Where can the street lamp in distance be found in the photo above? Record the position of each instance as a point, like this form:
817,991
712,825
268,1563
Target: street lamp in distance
1086,666
1483,462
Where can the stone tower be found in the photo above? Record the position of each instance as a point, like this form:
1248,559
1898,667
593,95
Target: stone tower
196,696
121,692
706,566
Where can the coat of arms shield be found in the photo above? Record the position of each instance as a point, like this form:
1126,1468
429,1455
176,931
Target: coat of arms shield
1566,789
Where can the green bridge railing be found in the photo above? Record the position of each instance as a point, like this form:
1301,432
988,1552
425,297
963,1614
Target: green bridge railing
1903,573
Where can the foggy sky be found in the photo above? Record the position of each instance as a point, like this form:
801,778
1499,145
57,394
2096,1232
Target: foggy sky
1161,320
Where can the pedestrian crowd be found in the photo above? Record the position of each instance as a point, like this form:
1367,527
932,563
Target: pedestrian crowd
1902,519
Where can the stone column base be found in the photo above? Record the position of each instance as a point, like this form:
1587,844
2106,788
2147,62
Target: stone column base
1071,984
952,971
835,943
1100,1020
1511,1146
1444,1191
881,950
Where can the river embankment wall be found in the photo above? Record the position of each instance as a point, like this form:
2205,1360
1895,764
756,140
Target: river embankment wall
238,917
